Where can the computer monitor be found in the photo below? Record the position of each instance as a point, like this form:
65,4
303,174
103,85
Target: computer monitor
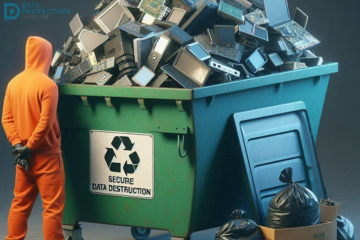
91,39
176,15
277,11
192,67
112,16
76,25
224,35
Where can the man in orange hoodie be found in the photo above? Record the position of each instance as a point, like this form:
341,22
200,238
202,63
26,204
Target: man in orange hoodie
31,126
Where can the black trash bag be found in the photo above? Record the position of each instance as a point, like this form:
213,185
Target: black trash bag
345,229
294,206
239,228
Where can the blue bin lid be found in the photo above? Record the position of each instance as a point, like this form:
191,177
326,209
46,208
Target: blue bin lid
272,139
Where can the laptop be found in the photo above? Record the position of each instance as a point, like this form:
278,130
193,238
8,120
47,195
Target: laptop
248,29
188,70
278,14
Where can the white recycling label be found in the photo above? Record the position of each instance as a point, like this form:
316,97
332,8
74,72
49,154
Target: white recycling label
122,164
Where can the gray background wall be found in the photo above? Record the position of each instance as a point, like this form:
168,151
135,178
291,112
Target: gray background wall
335,24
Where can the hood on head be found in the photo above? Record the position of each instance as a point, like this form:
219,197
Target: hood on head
38,55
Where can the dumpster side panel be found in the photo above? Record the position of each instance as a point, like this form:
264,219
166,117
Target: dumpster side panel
219,187
174,177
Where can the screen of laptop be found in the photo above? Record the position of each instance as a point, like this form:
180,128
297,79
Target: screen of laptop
277,12
192,67
301,18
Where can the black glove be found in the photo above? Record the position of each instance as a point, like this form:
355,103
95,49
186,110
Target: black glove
22,156
22,152
24,163
16,147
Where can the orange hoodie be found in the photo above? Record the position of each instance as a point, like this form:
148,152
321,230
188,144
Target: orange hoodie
29,112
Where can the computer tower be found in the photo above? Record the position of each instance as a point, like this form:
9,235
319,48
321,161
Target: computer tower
118,45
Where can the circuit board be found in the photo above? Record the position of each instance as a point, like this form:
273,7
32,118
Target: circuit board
231,11
297,36
155,8
257,17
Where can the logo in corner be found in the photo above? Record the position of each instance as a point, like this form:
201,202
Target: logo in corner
11,11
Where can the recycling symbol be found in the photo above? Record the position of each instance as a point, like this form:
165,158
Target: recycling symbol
134,160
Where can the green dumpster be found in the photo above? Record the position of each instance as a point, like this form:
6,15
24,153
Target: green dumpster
164,158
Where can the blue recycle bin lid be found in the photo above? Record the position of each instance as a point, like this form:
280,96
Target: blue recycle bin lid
272,139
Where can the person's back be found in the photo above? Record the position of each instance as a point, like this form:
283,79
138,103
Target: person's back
31,126
26,92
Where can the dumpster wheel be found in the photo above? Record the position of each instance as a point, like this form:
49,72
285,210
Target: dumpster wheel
140,233
70,238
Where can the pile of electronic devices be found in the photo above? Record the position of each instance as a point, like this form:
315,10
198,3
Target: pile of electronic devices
183,44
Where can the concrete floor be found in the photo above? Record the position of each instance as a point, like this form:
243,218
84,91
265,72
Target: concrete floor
90,231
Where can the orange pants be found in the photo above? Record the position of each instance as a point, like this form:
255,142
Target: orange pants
46,175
